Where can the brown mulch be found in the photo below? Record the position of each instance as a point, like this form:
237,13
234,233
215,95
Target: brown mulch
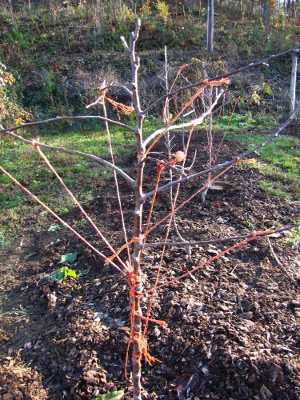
232,328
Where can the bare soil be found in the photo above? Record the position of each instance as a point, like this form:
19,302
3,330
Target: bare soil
232,328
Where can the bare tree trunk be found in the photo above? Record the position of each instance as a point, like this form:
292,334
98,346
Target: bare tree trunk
98,15
137,230
192,4
266,11
293,83
11,11
288,8
251,7
210,26
284,15
133,6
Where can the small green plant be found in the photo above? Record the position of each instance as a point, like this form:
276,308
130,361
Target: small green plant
294,240
63,273
54,227
118,394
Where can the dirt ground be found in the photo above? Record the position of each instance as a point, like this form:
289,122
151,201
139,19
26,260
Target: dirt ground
232,328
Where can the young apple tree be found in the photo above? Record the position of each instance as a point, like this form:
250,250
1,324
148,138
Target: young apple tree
127,260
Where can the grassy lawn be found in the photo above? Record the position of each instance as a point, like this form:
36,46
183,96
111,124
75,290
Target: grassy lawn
83,177
279,160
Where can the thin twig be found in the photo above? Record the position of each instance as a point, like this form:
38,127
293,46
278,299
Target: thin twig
76,202
278,262
202,265
190,198
215,241
62,221
116,181
227,163
56,119
195,122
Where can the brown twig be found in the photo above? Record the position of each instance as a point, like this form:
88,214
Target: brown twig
278,262
227,163
215,241
57,119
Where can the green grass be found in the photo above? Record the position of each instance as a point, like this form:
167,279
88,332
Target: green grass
86,179
279,161
246,123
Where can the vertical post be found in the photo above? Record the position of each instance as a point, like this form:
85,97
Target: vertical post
210,26
166,108
209,92
293,83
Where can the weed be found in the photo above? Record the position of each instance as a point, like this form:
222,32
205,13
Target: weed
117,395
54,227
294,240
63,273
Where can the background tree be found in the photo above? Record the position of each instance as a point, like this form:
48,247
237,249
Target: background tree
210,26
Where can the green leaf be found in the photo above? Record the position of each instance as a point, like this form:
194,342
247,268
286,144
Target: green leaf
70,272
54,228
62,274
57,275
117,395
68,258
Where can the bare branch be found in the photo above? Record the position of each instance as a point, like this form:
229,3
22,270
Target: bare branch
99,100
219,255
73,152
226,163
278,262
234,72
76,202
80,117
194,122
120,86
114,85
124,43
215,241
62,221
